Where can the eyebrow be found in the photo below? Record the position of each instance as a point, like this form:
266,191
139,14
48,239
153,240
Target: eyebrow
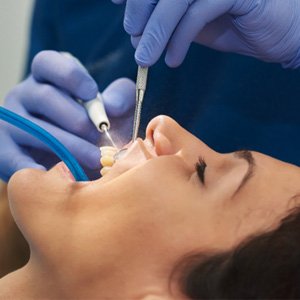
248,157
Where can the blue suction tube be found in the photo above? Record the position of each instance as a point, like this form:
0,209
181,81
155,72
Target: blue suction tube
57,147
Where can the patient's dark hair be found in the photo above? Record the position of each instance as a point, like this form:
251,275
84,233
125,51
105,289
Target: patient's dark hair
263,267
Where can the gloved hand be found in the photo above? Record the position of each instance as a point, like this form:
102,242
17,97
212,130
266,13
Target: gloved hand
265,29
46,97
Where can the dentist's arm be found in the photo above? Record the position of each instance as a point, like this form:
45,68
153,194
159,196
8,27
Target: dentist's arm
266,29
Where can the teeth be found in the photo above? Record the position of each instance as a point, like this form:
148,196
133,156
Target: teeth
108,151
107,161
107,158
104,170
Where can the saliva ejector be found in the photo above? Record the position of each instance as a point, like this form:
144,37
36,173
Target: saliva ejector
44,136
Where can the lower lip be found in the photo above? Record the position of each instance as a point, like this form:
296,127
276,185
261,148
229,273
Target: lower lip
65,171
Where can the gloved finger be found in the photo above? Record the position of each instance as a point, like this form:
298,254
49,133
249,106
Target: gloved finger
159,30
135,40
119,98
13,159
57,69
53,104
222,35
86,153
118,1
137,14
197,16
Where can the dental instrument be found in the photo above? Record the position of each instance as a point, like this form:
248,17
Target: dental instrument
95,107
96,112
141,84
44,136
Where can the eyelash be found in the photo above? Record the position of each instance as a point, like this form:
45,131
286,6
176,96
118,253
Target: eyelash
200,169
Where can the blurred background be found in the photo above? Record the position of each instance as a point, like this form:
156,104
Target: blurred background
14,27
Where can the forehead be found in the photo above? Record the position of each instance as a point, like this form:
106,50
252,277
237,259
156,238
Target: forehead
277,168
273,180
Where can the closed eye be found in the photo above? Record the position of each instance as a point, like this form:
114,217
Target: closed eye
200,169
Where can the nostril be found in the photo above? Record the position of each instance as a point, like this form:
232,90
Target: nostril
152,126
149,137
162,144
160,132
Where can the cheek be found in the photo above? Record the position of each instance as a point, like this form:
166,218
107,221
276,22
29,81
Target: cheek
253,220
162,205
161,178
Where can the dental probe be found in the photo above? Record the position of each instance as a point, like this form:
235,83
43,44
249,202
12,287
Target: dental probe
141,84
95,108
97,114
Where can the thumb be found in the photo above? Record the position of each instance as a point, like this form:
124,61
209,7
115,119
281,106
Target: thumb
119,97
242,7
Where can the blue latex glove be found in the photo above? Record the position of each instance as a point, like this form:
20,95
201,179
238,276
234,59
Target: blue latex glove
46,97
265,29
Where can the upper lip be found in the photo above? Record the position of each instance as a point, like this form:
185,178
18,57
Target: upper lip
138,152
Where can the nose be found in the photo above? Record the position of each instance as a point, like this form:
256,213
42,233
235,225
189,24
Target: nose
169,138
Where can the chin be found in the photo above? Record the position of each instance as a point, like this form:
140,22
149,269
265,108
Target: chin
22,184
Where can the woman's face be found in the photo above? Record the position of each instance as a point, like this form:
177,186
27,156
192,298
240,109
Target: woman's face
153,207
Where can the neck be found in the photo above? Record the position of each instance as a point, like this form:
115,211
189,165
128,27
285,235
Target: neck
23,284
128,283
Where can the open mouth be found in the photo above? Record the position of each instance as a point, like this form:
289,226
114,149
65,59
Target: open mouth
116,163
